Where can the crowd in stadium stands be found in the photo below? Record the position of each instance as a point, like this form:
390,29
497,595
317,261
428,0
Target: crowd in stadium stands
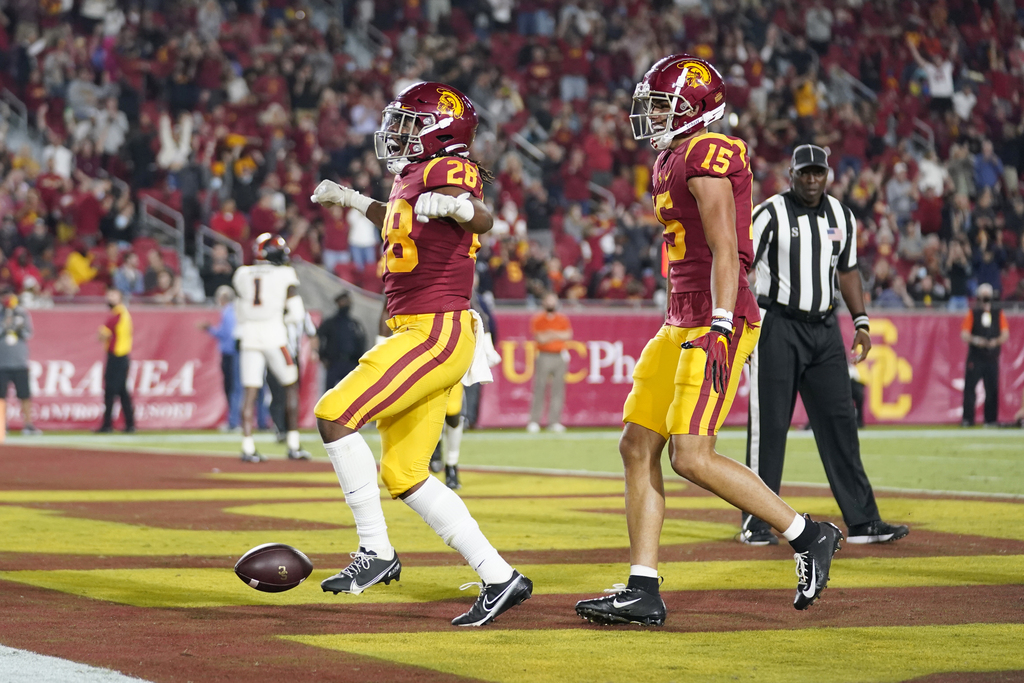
231,112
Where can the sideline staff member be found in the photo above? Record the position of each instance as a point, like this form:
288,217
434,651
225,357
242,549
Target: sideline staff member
985,331
551,330
801,237
116,333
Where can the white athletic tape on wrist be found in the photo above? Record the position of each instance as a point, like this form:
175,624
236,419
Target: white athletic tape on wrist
360,202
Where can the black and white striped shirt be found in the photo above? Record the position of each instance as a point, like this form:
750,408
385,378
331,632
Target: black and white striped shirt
797,250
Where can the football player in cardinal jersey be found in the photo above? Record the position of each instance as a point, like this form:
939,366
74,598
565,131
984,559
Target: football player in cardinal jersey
682,384
267,301
429,226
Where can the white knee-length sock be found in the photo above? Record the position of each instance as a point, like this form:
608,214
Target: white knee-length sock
357,472
446,514
452,441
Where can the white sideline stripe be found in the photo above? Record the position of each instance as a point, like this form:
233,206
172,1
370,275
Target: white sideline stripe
22,666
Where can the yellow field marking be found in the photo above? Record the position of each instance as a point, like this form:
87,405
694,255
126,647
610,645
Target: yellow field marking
875,655
520,523
220,587
532,524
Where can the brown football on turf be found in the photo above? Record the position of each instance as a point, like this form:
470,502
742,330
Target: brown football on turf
273,567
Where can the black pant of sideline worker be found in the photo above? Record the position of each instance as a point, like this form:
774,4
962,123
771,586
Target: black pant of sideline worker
810,358
115,385
987,370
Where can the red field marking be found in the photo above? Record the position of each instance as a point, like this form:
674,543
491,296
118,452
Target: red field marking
204,515
195,645
224,644
64,469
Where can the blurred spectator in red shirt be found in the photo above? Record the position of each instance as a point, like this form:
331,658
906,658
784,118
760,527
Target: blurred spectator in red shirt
576,177
507,272
230,222
335,238
614,285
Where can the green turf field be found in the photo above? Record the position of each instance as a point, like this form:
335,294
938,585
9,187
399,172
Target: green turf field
933,459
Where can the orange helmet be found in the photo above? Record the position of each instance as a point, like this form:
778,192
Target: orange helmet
678,95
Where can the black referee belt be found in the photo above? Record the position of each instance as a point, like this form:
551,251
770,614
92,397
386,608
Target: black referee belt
795,313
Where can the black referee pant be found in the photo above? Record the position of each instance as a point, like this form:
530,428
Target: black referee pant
115,385
807,357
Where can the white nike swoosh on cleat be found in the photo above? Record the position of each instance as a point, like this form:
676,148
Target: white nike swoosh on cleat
618,605
489,605
809,591
356,589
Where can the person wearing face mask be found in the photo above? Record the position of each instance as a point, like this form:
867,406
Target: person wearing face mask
17,330
984,331
342,342
116,334
550,330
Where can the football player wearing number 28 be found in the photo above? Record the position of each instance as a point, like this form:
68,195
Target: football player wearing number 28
682,384
429,226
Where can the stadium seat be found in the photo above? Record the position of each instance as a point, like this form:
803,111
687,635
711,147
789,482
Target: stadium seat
347,272
170,257
370,281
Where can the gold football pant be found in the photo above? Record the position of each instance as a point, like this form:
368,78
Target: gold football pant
404,384
670,394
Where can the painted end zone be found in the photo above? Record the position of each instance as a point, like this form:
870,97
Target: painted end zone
128,567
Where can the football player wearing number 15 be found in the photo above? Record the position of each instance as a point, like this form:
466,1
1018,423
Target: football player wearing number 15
682,385
429,226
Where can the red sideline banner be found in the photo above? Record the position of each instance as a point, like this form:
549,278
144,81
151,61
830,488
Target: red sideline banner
914,374
174,377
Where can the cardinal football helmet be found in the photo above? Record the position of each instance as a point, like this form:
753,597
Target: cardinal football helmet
271,248
424,120
678,95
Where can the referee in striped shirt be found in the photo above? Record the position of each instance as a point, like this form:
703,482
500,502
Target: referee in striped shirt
801,238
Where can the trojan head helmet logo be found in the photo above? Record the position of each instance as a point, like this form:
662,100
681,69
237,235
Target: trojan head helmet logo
694,74
450,104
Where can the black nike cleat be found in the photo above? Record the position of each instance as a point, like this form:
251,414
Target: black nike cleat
253,457
495,599
624,606
299,454
366,570
813,564
876,532
451,477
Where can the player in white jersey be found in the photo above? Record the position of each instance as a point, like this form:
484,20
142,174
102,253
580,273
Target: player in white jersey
268,301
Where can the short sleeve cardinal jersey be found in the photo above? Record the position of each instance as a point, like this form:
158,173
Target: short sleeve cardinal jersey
707,154
262,291
428,266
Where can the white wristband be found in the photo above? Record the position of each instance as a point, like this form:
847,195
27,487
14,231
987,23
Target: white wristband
360,202
722,318
465,211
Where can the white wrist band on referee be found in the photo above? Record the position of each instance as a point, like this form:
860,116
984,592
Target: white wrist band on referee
861,322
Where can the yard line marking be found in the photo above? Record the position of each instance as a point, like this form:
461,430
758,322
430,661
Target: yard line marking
22,666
